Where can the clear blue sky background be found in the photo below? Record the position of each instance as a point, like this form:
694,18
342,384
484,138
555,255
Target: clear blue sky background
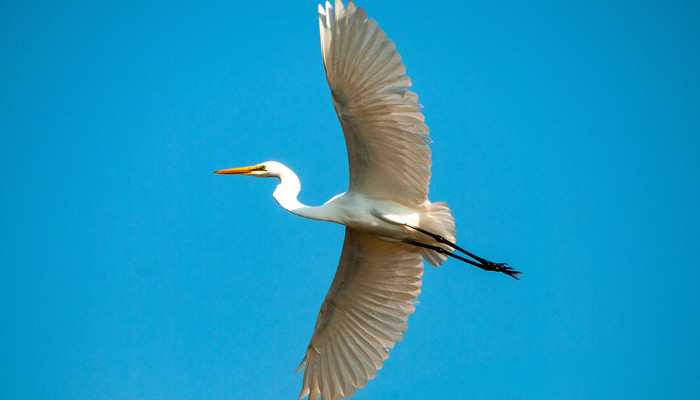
566,140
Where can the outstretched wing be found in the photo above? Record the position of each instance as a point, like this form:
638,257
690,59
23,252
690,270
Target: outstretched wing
386,137
363,315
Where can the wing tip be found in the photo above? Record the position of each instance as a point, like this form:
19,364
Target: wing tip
304,391
301,366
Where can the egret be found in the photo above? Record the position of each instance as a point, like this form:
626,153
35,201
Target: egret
391,226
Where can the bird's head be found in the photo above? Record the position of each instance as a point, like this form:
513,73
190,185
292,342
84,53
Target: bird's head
268,169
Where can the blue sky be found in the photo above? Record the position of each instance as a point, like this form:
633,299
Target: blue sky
566,138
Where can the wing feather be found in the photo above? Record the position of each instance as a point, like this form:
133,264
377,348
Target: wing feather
386,136
363,316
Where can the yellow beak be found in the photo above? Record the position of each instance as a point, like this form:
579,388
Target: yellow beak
238,171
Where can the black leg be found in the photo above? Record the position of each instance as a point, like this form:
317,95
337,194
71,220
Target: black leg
443,251
482,263
488,266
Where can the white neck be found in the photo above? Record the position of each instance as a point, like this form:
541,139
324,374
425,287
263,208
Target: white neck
286,195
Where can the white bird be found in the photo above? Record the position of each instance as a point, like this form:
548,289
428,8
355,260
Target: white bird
391,226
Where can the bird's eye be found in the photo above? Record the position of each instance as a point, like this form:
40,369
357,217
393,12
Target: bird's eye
261,168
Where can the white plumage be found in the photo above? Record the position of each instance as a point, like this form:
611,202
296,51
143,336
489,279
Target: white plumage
391,227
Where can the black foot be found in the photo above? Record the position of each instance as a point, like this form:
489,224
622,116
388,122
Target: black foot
503,267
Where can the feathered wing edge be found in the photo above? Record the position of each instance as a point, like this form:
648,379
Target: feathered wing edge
363,316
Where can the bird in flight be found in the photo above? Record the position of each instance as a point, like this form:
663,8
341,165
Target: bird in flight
391,226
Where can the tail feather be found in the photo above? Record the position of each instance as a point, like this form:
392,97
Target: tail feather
438,219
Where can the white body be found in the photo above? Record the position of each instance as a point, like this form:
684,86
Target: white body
360,212
385,219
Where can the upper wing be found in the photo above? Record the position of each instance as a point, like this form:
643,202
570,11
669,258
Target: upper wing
386,137
363,315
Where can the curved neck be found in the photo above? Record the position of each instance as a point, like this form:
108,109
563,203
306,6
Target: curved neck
286,195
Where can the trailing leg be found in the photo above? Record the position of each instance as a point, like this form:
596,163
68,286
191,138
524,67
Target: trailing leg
488,266
481,263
